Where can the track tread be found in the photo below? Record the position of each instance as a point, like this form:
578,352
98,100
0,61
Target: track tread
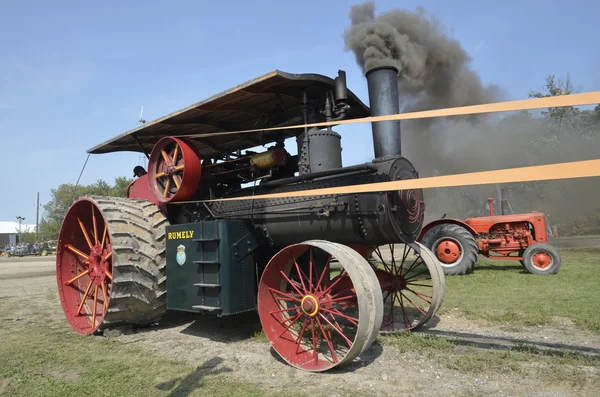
139,273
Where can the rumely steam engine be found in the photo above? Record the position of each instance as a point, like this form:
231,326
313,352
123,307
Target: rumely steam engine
191,237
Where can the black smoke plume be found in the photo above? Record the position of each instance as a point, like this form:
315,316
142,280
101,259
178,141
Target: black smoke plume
433,67
434,72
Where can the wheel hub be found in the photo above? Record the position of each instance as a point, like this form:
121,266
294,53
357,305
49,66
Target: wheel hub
541,260
98,263
310,305
170,170
448,251
399,283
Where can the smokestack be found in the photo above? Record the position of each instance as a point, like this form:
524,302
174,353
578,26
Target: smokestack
383,100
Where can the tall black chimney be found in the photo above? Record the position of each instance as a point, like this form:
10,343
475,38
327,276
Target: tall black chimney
383,100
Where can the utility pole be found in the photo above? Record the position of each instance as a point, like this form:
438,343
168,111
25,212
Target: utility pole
20,218
37,218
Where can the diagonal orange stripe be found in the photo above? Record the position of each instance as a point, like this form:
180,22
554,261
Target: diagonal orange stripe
586,98
575,169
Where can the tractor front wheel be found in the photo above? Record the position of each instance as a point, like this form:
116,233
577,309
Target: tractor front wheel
454,247
541,259
110,263
320,304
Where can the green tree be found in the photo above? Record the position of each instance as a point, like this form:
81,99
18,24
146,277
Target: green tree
26,236
64,195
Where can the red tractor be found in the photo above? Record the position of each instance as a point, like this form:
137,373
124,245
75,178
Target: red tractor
522,237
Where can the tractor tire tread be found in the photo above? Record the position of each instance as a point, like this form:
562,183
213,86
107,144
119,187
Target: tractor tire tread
471,250
138,295
549,249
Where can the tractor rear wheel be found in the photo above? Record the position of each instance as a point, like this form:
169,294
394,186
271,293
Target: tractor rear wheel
541,259
454,247
110,263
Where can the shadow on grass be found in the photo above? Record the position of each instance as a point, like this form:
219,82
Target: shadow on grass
504,343
233,328
184,386
487,267
363,360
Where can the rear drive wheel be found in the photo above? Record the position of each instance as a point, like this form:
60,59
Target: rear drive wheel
110,263
541,259
454,247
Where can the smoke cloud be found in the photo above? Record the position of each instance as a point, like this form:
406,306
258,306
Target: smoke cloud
433,68
435,72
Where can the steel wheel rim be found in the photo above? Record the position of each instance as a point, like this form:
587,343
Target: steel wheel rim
417,289
291,315
452,245
84,266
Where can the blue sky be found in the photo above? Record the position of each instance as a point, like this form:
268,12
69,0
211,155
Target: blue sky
75,73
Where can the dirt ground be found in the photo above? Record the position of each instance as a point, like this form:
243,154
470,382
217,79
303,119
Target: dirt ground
230,345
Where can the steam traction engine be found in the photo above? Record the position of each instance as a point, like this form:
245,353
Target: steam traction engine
521,237
311,266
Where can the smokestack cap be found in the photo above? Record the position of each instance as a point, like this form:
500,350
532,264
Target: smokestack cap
390,67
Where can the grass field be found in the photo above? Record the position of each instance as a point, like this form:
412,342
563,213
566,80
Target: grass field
45,358
503,292
41,355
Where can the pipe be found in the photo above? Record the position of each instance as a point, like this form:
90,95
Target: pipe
308,177
383,100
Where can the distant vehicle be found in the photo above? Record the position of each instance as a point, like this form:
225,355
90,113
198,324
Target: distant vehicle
458,243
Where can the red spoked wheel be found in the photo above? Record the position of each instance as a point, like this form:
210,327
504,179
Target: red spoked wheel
412,282
174,170
319,304
109,263
85,267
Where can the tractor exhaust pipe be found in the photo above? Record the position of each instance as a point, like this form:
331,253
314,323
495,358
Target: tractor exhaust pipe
383,101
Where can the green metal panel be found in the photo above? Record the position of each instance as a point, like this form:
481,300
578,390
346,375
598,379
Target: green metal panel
210,267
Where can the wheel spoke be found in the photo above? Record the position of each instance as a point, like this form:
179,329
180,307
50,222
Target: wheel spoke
291,283
166,157
336,312
83,299
94,307
348,341
286,310
300,274
103,236
301,335
326,270
104,299
291,297
167,185
108,274
421,295
87,238
293,320
175,153
329,341
76,251
160,175
415,306
78,277
94,222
